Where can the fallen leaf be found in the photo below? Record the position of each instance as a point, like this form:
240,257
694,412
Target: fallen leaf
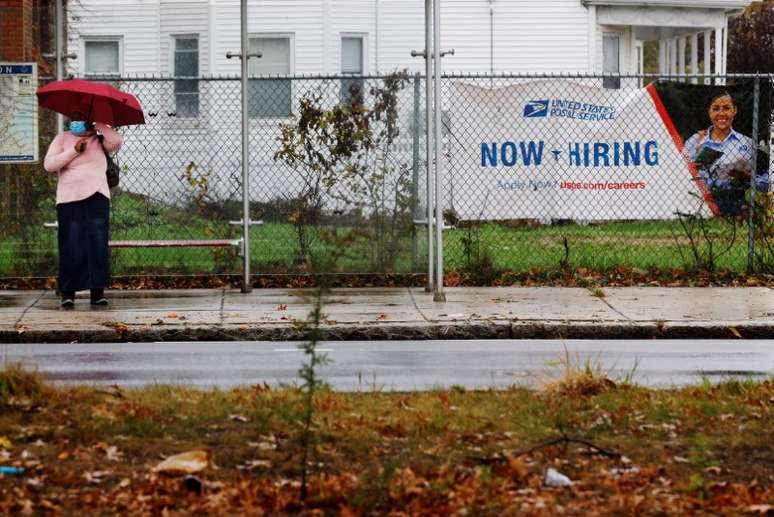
238,418
255,464
735,332
761,509
517,468
5,443
282,307
186,463
382,317
96,477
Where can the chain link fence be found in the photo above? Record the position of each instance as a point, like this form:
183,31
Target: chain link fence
546,172
569,172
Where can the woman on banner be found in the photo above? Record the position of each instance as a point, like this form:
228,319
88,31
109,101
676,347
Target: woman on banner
723,156
82,205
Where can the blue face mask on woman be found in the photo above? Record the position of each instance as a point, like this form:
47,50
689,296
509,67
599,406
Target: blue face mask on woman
78,127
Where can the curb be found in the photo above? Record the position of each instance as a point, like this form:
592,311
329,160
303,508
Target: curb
403,332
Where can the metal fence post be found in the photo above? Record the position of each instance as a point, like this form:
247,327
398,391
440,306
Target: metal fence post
246,284
751,222
59,52
415,173
428,140
438,294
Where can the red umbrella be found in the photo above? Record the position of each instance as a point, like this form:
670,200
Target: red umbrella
100,102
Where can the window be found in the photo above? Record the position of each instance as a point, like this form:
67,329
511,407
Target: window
611,64
102,57
269,98
186,64
352,65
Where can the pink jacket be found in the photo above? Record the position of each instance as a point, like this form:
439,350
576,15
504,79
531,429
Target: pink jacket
81,175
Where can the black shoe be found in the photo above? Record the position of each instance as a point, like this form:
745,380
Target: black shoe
98,297
67,301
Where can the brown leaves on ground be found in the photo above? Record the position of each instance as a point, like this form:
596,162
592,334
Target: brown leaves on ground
690,451
615,277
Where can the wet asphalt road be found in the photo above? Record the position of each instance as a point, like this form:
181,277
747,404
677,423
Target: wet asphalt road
396,366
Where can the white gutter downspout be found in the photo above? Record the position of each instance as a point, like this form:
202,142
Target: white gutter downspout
592,37
491,36
376,36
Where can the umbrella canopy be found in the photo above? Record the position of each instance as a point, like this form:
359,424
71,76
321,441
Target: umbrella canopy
100,102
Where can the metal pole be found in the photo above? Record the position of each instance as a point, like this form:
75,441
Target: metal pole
59,54
754,166
428,142
438,294
415,172
246,284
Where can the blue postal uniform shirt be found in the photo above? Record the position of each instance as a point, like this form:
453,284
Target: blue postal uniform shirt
737,152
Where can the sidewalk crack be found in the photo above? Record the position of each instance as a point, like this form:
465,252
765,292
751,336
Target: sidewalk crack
414,301
30,306
222,307
616,310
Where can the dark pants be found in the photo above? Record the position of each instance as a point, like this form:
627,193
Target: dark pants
84,259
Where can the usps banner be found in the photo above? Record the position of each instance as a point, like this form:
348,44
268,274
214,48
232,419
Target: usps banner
563,150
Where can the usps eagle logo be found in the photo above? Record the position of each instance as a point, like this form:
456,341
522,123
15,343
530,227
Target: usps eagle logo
535,109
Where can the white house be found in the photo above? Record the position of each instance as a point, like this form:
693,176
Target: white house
375,36
198,122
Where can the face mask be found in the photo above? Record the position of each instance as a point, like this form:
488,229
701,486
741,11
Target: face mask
78,127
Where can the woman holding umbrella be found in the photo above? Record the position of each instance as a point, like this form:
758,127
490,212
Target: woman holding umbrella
82,194
83,205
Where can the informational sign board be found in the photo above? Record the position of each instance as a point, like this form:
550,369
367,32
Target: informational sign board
564,150
18,113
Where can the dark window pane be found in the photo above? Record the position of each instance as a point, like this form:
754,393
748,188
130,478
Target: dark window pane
187,104
186,65
352,90
187,44
269,98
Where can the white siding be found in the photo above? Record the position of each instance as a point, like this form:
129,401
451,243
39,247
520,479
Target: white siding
184,17
401,30
529,35
301,18
352,17
136,22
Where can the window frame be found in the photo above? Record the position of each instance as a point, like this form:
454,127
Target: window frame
291,37
173,38
118,39
612,82
363,37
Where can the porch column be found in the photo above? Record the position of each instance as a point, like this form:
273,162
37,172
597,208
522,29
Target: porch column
681,55
694,63
725,45
707,57
673,56
718,50
662,57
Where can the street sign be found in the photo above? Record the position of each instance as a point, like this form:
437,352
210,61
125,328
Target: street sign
18,113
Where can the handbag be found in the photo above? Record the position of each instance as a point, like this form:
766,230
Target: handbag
112,170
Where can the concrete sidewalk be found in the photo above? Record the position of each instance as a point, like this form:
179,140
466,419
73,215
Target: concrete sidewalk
393,313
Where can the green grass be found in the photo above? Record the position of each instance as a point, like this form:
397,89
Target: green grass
274,247
437,452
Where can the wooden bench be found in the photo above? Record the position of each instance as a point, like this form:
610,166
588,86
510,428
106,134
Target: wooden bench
177,243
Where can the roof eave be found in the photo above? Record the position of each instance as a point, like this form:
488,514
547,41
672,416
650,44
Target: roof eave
727,5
